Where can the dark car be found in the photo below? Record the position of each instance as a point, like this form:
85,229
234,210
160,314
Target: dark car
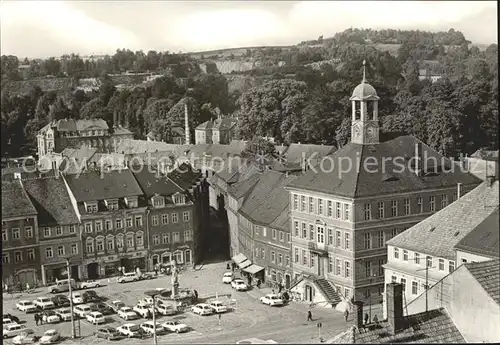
12,317
147,276
90,296
109,333
101,308
60,301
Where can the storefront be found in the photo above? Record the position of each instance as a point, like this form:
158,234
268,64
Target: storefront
255,271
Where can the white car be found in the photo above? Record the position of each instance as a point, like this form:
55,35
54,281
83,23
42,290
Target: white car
13,330
82,310
271,300
127,313
89,284
64,314
50,336
166,309
239,285
149,327
51,317
26,306
128,277
256,341
175,326
116,305
96,318
142,310
77,298
129,329
227,278
218,307
7,322
26,337
44,303
202,309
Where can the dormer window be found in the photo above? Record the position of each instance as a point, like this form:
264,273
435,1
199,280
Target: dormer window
158,201
112,204
131,201
91,207
179,199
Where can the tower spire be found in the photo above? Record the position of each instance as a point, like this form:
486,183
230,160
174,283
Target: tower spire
364,71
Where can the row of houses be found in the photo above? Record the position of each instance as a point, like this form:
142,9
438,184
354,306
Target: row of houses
134,217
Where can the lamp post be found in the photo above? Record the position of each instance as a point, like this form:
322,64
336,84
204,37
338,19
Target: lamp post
370,296
153,294
70,299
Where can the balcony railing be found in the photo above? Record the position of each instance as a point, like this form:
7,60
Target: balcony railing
319,248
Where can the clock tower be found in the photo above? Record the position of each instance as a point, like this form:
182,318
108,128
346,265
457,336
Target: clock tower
365,128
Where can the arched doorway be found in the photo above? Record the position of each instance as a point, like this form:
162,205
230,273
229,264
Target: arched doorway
309,293
93,270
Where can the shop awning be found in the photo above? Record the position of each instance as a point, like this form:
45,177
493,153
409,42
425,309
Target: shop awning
239,258
252,269
244,264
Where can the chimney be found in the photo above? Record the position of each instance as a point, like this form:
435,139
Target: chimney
490,180
394,300
418,159
358,314
459,190
186,124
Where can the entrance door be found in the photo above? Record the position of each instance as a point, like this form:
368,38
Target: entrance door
93,270
287,281
321,266
27,277
74,272
308,293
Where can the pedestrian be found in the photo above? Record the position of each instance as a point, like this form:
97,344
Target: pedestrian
195,295
228,266
258,283
6,288
309,316
36,319
40,318
366,318
280,287
27,287
272,291
346,314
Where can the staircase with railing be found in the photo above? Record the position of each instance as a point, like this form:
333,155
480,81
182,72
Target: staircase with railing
328,291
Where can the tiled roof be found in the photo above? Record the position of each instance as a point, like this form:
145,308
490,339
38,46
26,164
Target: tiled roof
107,185
224,124
348,177
434,326
184,176
486,155
15,200
52,201
71,125
295,152
438,234
484,238
153,183
487,273
241,188
132,146
205,125
79,154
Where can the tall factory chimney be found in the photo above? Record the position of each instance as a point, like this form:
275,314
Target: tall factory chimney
186,124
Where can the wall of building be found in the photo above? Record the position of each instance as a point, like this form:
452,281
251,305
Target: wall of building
470,257
232,217
480,167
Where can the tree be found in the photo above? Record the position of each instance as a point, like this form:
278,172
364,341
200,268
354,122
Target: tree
343,132
10,65
258,148
156,110
165,86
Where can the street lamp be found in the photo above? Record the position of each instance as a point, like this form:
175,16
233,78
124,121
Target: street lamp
370,296
153,294
70,299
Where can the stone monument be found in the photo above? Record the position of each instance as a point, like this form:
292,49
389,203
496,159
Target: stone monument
174,279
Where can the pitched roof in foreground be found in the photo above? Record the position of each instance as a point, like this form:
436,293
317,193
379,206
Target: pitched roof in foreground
153,182
348,177
15,200
434,326
487,274
438,234
295,152
483,239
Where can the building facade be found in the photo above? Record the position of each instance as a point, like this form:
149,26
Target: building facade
221,131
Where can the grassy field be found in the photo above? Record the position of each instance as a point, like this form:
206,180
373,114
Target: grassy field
235,51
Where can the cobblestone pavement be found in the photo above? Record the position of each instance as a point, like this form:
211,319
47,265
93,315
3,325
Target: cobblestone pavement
249,318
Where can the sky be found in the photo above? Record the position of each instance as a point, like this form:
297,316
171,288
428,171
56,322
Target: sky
53,28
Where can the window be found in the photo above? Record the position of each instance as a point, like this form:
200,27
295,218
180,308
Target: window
444,201
280,259
367,241
330,208
304,230
330,236
60,251
176,237
417,258
296,227
454,196
98,226
28,231
158,202
287,260
88,227
273,256
179,199
330,264
175,218
432,203
188,235
403,282
156,239
92,208
110,243
282,236
90,246
346,211
108,224
185,216
130,242
464,261
441,264
16,233
139,239
338,267
295,202
72,229
394,232
420,205
100,245
347,239
31,254
414,288
396,253
263,253
347,269
304,257
429,261
5,236
112,204
320,206
165,238
311,232
381,213
394,208
368,269
296,255
59,230
339,239
119,223
119,242
48,252
311,205
154,220
405,255
273,233
74,248
138,221
368,211
347,293
264,232
380,238
381,264
451,266
18,257
164,219
321,234
407,207
337,211
394,279
303,203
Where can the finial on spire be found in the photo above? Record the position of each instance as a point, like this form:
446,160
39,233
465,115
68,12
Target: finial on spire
364,71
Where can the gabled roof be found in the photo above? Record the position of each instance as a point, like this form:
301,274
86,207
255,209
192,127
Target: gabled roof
15,200
93,186
205,125
241,188
224,124
348,177
486,155
71,125
52,201
296,152
438,234
483,240
487,274
153,182
184,176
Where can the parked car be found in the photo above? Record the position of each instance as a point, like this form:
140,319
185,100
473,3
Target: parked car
166,309
143,310
62,286
12,317
64,314
51,316
77,298
89,284
131,330
149,328
90,296
61,301
25,338
116,305
271,300
218,307
109,333
175,326
148,301
13,330
202,309
50,336
26,306
101,308
82,310
127,313
44,303
7,321
128,277
227,278
147,276
95,318
239,285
